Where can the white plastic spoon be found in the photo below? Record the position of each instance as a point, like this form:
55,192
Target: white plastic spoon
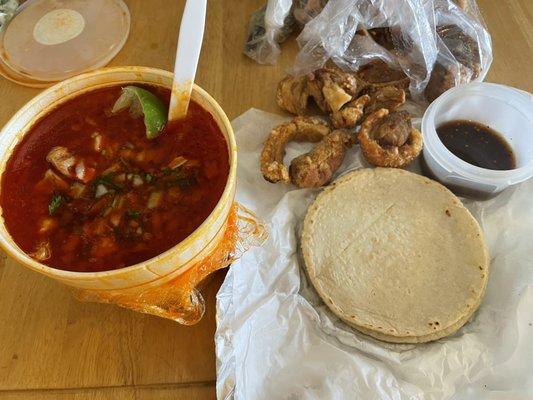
187,55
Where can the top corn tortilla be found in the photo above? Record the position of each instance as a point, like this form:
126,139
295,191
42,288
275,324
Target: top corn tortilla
395,255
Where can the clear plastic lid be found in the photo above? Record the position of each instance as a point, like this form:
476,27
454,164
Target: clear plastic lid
51,40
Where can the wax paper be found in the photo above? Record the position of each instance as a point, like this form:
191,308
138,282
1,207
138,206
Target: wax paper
275,339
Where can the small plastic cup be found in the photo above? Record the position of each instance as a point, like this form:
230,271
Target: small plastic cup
507,110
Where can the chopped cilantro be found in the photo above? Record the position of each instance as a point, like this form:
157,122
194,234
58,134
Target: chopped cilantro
133,213
55,203
148,177
107,180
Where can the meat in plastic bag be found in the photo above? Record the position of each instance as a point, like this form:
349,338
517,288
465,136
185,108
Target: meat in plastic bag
273,23
464,46
305,10
437,43
269,26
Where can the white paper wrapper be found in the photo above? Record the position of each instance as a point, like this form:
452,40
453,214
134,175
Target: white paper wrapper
276,340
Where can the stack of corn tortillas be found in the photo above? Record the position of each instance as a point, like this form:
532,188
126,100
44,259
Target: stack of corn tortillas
395,255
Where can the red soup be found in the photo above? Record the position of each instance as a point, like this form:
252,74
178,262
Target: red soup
86,190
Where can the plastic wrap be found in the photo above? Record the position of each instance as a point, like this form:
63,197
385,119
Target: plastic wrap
305,10
273,23
180,299
7,10
434,42
269,26
276,339
437,43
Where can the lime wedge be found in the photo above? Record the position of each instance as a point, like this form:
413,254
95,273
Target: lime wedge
142,102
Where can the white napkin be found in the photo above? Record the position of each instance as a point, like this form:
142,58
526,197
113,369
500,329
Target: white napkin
275,339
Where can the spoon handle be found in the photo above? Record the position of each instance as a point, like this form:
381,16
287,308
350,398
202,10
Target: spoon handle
187,55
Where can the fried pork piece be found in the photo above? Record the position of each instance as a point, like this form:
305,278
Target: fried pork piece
465,50
392,38
293,94
441,79
329,88
462,46
350,114
317,167
382,36
302,129
389,140
377,74
444,78
389,97
394,129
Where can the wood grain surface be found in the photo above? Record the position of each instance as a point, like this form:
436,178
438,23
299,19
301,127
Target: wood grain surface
53,347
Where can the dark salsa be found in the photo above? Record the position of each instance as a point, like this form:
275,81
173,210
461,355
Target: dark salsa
85,190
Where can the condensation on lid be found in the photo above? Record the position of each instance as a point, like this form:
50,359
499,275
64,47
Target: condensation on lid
58,26
51,40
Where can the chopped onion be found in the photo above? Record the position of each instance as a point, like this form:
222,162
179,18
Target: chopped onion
98,142
80,171
137,180
100,191
117,202
154,199
177,162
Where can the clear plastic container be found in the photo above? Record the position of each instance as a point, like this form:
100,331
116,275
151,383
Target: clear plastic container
507,110
48,41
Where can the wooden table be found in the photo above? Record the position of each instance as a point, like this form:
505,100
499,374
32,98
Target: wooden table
53,347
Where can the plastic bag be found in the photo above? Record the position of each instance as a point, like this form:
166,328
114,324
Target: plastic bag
269,26
180,298
437,43
7,10
305,10
273,23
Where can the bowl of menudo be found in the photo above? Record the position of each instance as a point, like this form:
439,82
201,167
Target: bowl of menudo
99,195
